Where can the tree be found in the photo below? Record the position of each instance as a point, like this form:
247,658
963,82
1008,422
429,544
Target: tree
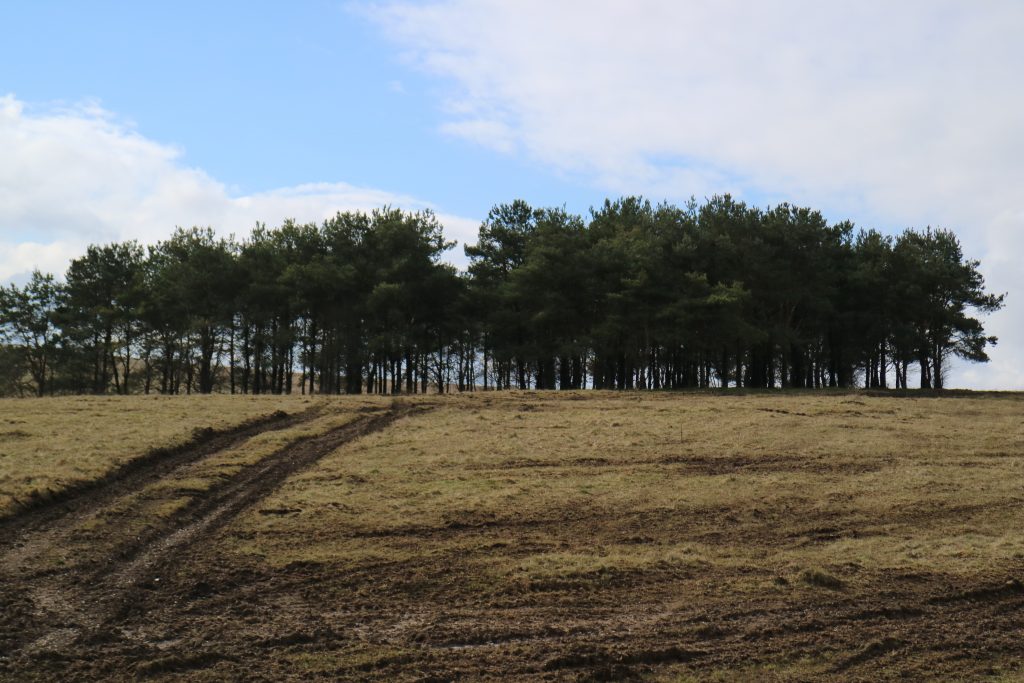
637,296
942,289
100,311
553,290
501,250
28,322
191,291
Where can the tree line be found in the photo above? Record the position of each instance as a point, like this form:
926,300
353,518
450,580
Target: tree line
635,296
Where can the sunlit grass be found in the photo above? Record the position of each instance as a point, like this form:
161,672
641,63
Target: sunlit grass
836,485
48,444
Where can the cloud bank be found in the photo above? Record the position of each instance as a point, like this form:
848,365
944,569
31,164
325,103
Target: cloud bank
894,115
78,176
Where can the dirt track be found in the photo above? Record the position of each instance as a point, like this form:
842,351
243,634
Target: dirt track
70,607
90,593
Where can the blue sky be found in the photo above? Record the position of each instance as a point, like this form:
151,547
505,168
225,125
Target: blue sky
121,120
265,95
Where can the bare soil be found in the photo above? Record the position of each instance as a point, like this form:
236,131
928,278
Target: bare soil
61,614
86,593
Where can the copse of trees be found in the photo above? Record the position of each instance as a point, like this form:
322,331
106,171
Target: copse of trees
639,296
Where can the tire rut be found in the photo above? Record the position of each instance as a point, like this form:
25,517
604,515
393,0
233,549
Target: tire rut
84,602
137,473
52,525
212,511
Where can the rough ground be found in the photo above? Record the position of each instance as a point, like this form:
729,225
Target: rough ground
542,537
49,445
72,576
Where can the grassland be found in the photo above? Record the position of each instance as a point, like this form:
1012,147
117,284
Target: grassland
544,536
50,444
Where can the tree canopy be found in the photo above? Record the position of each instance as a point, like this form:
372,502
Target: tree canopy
634,296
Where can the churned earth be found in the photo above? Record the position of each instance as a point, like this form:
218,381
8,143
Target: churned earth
537,536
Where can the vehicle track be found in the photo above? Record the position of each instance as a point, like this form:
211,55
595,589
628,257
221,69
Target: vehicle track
47,612
198,596
136,473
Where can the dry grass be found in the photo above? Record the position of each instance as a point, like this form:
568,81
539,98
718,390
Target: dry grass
554,536
780,498
165,497
51,443
910,483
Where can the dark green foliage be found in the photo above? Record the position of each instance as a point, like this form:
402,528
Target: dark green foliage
640,296
100,317
28,330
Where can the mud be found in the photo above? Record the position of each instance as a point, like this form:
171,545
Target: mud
41,509
162,603
66,593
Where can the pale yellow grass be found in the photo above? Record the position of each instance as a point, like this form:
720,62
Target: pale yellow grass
48,444
165,497
915,484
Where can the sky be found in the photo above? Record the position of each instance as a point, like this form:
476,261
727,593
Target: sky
123,120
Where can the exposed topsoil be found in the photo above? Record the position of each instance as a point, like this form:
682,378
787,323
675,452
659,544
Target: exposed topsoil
542,537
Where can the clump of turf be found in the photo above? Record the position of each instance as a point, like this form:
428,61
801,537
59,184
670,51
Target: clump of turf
816,577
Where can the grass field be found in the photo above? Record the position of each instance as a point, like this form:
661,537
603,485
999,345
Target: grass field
47,445
532,536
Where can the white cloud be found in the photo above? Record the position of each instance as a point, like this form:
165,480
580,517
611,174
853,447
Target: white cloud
20,258
486,132
896,114
74,177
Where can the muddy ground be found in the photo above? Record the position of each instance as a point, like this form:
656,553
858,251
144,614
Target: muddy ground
105,585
